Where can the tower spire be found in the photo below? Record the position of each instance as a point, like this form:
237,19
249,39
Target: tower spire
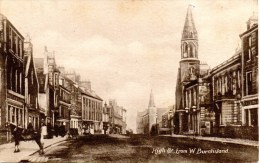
151,101
189,30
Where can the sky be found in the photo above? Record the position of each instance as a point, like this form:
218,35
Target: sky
126,48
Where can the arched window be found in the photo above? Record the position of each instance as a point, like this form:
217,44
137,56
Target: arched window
185,50
192,50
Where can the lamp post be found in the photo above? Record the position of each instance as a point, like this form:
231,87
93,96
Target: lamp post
186,110
194,111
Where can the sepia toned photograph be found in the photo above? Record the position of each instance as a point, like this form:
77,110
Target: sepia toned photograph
129,81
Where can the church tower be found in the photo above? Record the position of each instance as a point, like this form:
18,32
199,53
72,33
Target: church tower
189,64
152,112
189,68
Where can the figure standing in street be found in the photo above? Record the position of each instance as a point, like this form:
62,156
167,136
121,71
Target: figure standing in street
30,126
56,130
43,135
62,130
17,137
44,132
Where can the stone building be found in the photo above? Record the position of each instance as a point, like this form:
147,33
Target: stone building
92,112
106,119
235,89
249,76
188,71
76,107
160,119
32,109
48,77
147,120
222,101
226,89
11,77
192,88
117,117
142,121
64,101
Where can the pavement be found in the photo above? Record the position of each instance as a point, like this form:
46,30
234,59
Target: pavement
27,148
118,136
218,139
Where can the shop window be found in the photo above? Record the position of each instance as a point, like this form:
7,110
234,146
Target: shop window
254,117
13,114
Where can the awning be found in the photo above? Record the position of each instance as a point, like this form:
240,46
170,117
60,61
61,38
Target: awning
164,129
87,121
62,120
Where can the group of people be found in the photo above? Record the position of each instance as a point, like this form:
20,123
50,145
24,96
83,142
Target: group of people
59,130
20,134
44,132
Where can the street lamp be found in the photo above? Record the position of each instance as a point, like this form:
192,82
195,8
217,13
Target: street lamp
187,110
193,108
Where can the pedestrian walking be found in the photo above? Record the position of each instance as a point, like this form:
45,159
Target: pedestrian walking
62,130
56,130
44,132
30,126
17,137
43,136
